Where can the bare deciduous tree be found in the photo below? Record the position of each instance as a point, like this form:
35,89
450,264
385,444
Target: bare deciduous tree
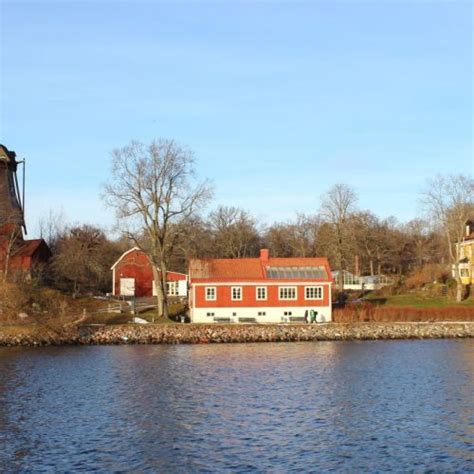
152,190
418,232
51,227
276,239
449,202
82,260
235,233
336,207
11,240
194,240
364,226
302,236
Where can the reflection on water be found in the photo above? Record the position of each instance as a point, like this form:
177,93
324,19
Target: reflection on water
251,407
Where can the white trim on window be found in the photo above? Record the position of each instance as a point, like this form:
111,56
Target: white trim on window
236,293
210,293
261,293
172,288
287,293
313,292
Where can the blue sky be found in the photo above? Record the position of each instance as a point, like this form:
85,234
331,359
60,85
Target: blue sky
279,100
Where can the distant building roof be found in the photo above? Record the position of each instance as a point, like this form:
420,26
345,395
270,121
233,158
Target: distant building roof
26,254
468,237
29,247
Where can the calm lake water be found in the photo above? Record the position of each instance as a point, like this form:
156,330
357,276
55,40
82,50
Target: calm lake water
344,406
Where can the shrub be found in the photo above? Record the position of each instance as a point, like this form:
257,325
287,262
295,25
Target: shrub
389,290
12,301
369,312
425,275
30,298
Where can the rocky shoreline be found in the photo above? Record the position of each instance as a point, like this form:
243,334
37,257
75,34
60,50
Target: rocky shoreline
206,334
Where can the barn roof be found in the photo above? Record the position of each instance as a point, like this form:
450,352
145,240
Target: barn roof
139,251
260,268
29,247
134,249
25,248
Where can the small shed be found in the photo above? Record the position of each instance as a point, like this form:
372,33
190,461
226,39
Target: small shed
132,275
26,256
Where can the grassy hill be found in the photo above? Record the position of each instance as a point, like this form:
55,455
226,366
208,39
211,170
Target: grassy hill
416,300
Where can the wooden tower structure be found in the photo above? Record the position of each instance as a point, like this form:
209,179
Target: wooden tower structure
16,253
11,203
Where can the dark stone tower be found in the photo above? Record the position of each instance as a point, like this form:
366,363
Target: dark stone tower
11,212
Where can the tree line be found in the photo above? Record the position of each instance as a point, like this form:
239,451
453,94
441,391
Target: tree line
160,207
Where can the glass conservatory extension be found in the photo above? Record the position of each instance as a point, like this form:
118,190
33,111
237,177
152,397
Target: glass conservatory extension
353,282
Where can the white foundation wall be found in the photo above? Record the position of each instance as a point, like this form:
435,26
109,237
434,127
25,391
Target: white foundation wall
272,315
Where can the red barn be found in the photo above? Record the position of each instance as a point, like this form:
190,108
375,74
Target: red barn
132,275
265,289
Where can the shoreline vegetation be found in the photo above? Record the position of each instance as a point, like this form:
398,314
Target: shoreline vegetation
90,321
242,333
46,317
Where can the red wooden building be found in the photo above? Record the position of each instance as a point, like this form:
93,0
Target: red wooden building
264,289
132,275
26,256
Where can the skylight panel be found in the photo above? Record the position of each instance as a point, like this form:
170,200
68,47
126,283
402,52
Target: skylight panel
296,272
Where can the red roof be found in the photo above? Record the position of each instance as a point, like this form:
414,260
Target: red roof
29,247
250,268
26,253
128,258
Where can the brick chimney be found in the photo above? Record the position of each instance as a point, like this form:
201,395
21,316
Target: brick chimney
264,255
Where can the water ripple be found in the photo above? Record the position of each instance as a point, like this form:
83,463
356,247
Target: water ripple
328,406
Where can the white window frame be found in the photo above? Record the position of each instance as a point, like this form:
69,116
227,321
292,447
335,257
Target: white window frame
237,289
286,298
319,289
257,297
208,290
172,288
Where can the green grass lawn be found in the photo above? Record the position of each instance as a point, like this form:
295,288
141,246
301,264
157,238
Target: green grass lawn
416,300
